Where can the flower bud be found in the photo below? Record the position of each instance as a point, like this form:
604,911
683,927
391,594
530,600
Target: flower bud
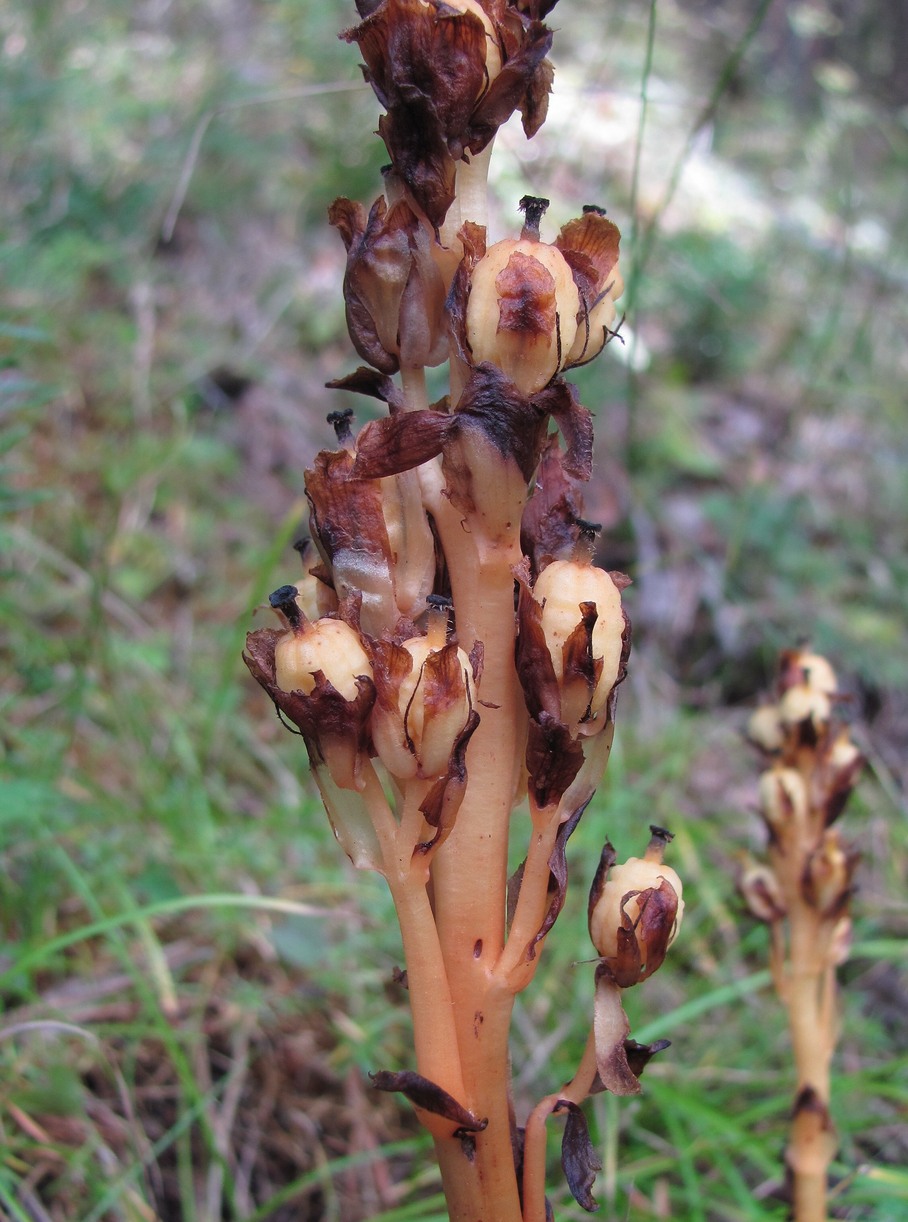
585,631
802,704
326,645
523,307
816,672
762,894
784,801
827,876
425,698
764,728
320,679
635,912
590,245
844,756
393,290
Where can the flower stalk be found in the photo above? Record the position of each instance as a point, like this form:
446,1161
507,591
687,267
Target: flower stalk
803,893
451,650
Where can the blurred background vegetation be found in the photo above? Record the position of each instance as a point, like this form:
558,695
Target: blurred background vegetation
194,986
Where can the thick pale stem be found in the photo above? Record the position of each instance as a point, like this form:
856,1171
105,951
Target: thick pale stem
472,202
431,482
434,1030
513,967
809,1193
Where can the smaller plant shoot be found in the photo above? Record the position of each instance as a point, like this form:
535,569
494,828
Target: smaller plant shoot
803,892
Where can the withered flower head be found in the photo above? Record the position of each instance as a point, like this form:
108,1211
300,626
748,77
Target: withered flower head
764,728
535,309
828,875
449,73
393,290
320,679
802,666
761,892
585,630
425,698
784,803
635,911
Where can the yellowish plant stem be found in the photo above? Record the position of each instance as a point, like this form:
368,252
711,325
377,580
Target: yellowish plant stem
574,1091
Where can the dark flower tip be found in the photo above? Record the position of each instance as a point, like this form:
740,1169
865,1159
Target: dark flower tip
533,208
282,596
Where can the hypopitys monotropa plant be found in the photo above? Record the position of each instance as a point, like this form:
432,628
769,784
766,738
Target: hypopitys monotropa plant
803,893
451,650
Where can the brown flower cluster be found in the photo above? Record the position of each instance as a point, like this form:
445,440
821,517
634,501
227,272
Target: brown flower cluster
814,765
449,73
803,891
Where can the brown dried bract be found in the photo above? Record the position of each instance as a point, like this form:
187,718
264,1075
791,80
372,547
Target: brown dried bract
393,290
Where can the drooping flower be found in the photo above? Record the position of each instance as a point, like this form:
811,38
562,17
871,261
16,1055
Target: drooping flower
425,698
449,73
635,912
393,290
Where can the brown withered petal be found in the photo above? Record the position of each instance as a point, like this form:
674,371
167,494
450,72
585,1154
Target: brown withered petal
536,9
426,64
441,804
590,244
399,443
558,876
473,241
428,1096
607,859
579,1160
548,529
523,84
642,945
515,425
579,663
640,1055
560,401
535,669
610,1032
346,509
390,666
554,757
366,381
